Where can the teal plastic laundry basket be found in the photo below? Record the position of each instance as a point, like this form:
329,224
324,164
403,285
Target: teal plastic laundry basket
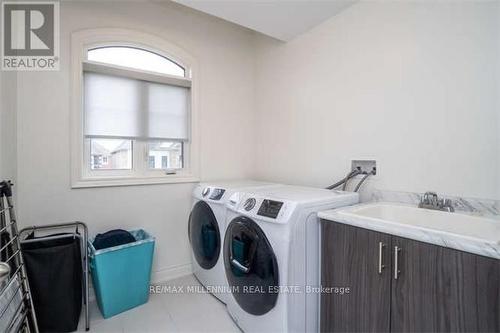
121,274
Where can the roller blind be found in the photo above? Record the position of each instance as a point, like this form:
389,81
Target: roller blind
120,106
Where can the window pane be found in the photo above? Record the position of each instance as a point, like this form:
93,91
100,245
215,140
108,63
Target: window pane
135,58
165,155
164,162
110,154
151,162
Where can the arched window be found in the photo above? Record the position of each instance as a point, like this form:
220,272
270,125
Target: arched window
136,58
136,121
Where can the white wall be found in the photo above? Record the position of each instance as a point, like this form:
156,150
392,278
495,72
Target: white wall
497,92
8,126
2,112
413,85
225,58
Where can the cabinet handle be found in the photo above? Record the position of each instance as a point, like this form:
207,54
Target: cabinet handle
381,266
396,256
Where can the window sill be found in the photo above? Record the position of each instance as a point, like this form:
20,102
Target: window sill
123,181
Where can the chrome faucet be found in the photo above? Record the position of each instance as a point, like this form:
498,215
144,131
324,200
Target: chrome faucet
430,200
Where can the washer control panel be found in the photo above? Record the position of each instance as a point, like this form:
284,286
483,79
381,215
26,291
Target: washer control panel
270,208
273,210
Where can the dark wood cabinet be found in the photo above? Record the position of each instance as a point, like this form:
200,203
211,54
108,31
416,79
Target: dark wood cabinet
421,288
351,254
435,291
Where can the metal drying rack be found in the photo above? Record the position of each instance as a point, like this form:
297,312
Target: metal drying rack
15,288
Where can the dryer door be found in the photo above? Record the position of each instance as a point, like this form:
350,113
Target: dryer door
204,235
251,266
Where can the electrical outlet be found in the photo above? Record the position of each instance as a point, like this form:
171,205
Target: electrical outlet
365,166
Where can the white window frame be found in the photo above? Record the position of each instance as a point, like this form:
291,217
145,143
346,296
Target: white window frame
81,174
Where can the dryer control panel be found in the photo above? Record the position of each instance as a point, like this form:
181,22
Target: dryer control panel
217,193
209,193
270,208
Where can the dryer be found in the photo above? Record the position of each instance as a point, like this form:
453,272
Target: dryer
206,230
272,256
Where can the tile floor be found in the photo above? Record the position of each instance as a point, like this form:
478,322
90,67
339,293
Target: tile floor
171,312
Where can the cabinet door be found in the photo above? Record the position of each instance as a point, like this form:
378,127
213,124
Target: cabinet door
488,294
442,290
350,259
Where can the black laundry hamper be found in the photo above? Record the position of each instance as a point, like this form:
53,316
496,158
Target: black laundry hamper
55,274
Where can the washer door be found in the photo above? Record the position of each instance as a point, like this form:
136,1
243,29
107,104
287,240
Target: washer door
251,266
204,235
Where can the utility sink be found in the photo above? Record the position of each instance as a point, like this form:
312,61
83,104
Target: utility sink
469,233
455,223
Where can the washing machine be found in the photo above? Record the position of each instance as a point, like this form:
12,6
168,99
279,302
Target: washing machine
272,256
206,230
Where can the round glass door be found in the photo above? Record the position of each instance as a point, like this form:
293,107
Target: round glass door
204,235
251,266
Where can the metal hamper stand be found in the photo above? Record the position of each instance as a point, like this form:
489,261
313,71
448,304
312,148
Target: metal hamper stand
83,249
8,220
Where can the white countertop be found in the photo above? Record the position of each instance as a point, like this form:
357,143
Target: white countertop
462,232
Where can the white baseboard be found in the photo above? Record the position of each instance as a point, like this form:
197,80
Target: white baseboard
171,273
162,275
